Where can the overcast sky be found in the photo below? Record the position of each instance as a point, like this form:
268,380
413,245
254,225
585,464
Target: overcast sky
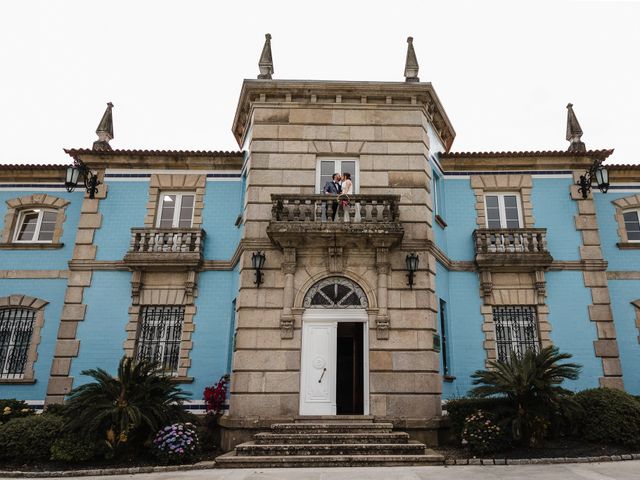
504,71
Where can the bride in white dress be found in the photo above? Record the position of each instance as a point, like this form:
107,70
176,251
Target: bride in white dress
347,184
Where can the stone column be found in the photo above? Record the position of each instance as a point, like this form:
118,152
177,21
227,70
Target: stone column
289,270
382,267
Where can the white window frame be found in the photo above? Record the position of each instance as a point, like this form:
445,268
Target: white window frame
176,212
630,210
36,232
338,161
501,208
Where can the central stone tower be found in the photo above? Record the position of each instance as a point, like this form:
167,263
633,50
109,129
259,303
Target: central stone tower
334,328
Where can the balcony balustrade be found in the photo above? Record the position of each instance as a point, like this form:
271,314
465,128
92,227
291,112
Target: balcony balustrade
322,216
511,248
165,247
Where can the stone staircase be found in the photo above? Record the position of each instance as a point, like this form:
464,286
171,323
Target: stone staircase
329,442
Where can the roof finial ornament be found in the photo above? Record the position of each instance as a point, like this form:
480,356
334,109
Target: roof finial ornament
105,131
265,64
574,132
411,66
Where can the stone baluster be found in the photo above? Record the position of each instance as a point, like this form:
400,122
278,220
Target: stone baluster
535,245
374,211
386,214
296,210
308,210
318,211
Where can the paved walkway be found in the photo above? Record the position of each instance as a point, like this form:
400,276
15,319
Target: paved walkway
577,471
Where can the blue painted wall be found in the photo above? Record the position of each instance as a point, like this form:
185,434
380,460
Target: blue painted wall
605,211
102,333
51,291
222,205
465,337
572,331
622,293
554,210
43,259
125,207
460,208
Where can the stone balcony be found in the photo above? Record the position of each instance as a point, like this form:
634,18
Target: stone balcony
511,249
297,219
165,248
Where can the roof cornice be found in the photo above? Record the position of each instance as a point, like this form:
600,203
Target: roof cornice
349,93
158,159
531,160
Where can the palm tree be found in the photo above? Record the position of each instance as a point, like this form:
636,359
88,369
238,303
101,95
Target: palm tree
533,384
126,408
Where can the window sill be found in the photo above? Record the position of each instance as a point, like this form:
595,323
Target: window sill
182,379
628,245
27,381
448,378
440,221
31,246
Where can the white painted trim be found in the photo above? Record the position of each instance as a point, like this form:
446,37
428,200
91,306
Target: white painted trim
329,315
456,177
166,171
356,180
31,188
502,209
176,209
552,175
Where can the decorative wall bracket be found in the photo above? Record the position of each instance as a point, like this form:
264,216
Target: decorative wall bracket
486,284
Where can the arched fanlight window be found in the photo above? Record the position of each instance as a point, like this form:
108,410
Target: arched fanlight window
335,292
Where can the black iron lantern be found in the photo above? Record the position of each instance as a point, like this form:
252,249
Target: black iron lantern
72,178
412,261
598,173
602,179
257,262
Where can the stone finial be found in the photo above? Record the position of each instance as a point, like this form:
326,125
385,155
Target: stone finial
105,131
265,64
411,66
574,132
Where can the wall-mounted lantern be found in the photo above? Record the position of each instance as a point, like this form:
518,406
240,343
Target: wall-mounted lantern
412,267
74,172
257,262
598,173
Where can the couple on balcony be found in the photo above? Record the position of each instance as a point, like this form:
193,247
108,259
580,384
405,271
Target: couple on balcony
341,186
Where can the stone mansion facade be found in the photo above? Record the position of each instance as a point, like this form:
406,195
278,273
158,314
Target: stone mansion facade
381,305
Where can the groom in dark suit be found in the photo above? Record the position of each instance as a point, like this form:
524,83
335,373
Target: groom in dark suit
333,187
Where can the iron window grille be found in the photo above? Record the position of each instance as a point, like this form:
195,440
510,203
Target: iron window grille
16,328
516,330
159,335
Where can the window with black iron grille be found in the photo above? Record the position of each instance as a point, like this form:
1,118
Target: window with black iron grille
516,330
159,335
16,327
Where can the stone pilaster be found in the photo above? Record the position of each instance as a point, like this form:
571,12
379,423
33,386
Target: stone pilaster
606,345
74,309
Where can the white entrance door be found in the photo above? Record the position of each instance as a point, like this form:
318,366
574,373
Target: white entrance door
319,359
318,368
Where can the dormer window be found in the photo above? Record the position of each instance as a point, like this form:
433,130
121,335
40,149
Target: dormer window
176,210
36,226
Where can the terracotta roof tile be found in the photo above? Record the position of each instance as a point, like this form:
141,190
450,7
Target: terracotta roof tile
151,153
31,166
537,153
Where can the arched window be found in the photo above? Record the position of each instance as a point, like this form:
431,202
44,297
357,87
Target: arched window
335,292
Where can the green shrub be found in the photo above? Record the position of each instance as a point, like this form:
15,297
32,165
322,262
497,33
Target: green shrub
29,439
11,408
610,416
459,409
481,434
71,448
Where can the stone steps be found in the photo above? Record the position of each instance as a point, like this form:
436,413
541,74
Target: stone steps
332,427
317,442
255,450
269,438
231,460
